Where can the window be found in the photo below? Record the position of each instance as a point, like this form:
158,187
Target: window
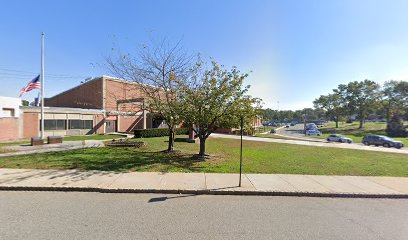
88,124
8,112
61,124
75,124
51,124
80,124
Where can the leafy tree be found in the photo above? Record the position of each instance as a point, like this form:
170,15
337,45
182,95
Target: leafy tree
332,104
395,98
25,103
395,127
216,98
158,72
361,97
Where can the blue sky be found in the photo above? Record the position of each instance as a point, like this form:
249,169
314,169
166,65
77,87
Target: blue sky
296,50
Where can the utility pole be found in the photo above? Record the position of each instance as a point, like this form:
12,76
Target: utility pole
240,156
42,85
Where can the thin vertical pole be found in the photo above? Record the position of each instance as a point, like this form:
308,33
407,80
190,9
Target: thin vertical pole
42,85
240,156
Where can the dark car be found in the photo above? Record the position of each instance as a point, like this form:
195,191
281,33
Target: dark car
378,140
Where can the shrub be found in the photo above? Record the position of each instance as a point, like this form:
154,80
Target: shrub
158,132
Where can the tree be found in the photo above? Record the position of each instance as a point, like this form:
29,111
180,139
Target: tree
216,98
395,98
395,127
332,104
361,97
25,103
158,71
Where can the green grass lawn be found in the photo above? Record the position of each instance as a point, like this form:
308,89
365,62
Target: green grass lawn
259,157
273,136
280,137
352,131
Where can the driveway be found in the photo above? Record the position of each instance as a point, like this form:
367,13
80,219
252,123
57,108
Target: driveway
355,146
68,145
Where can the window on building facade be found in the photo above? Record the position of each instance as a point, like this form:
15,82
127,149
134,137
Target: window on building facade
80,124
88,124
54,124
8,112
75,124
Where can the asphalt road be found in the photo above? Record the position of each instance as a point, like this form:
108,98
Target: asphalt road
294,131
60,215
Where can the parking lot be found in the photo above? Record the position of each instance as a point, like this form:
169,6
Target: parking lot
296,132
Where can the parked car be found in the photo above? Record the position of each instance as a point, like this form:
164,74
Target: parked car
311,126
313,132
339,138
273,131
286,126
379,140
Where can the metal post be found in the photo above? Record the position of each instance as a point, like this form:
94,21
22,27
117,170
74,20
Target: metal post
240,156
42,85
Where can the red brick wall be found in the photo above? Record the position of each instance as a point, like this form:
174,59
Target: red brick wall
257,122
87,95
128,123
30,125
8,129
119,90
224,130
98,124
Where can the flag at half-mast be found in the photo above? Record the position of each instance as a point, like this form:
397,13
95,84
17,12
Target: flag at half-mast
33,84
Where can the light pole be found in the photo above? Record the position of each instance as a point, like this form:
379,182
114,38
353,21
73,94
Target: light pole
240,156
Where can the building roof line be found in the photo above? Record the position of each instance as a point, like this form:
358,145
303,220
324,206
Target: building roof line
80,85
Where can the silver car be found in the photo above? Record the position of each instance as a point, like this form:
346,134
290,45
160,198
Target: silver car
339,138
313,132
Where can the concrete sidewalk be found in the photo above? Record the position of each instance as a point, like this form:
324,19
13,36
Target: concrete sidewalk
204,183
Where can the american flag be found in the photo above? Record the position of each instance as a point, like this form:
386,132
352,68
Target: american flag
33,84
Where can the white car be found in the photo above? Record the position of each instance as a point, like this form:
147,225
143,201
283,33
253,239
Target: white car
313,132
339,138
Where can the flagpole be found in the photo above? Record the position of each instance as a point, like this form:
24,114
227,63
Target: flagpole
42,85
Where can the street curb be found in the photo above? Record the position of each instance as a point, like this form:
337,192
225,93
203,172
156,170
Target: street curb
206,192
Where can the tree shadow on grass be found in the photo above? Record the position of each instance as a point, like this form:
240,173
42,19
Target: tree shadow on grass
178,140
123,159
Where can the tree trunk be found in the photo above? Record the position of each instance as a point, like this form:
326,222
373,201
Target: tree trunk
388,117
337,122
202,147
170,147
361,122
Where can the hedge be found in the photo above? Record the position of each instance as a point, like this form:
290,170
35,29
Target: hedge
158,132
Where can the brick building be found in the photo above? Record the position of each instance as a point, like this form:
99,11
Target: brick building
9,118
120,101
101,105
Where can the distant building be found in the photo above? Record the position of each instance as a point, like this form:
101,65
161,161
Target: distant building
9,118
256,124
